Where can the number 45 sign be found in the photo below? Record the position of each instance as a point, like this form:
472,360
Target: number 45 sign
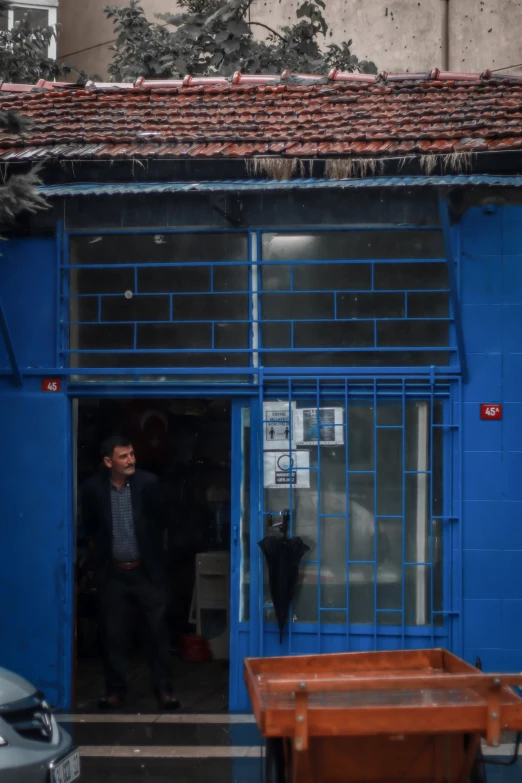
51,384
490,412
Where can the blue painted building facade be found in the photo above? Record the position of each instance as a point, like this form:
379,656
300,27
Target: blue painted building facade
412,513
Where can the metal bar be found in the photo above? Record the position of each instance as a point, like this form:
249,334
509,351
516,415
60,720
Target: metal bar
63,304
403,520
256,522
430,513
8,342
292,521
259,559
290,351
347,510
318,495
254,332
458,497
301,262
58,337
421,511
454,288
280,229
409,681
375,501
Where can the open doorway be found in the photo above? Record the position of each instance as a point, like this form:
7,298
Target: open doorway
187,444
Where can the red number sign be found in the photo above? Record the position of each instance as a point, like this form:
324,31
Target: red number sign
491,412
51,384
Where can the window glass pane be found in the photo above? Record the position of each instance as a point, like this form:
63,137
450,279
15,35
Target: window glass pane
362,585
370,306
428,305
389,414
37,17
275,277
179,336
210,307
297,306
305,606
361,524
360,437
331,276
396,277
234,335
389,570
277,335
396,334
137,308
335,334
157,248
157,280
84,308
389,472
363,243
231,278
101,281
103,337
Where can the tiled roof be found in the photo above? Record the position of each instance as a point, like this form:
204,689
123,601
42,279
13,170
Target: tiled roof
296,116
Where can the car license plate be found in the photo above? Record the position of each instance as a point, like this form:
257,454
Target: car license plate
67,769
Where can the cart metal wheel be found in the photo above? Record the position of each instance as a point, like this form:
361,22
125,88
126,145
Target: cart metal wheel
478,772
275,765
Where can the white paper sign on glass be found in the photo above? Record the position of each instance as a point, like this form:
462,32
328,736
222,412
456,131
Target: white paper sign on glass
287,469
278,424
309,433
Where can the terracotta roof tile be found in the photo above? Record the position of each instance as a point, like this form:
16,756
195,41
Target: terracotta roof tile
292,115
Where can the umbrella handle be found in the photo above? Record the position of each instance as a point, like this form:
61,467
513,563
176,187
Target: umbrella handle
283,523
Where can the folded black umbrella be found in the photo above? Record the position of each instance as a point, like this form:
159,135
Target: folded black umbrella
283,556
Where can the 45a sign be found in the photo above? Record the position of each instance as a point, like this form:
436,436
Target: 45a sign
489,412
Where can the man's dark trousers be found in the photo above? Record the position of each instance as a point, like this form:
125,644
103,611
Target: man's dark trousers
122,590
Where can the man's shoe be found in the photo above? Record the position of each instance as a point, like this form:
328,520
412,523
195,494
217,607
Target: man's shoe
167,702
112,702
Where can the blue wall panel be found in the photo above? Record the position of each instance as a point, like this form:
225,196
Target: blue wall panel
491,285
28,293
36,534
483,622
485,373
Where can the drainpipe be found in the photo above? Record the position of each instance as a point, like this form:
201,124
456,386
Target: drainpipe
445,36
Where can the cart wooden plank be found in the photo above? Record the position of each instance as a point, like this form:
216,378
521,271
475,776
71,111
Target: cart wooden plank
336,714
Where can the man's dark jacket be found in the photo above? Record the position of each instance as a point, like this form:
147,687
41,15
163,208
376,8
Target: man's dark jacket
148,524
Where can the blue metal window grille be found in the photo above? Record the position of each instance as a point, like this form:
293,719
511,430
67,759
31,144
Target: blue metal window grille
375,507
235,301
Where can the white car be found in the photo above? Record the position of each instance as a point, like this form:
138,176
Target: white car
33,747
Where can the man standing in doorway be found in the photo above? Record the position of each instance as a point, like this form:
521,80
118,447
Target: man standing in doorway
122,517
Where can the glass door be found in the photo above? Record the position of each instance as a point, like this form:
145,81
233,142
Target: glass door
359,468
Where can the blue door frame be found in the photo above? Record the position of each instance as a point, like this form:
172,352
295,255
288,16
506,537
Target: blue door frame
243,640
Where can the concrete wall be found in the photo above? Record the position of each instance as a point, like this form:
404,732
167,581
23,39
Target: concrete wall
399,35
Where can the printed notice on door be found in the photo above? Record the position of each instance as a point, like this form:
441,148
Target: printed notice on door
278,425
325,429
287,469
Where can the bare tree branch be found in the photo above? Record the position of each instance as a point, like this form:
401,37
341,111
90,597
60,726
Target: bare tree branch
274,32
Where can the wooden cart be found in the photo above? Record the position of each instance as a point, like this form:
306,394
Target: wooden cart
413,716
